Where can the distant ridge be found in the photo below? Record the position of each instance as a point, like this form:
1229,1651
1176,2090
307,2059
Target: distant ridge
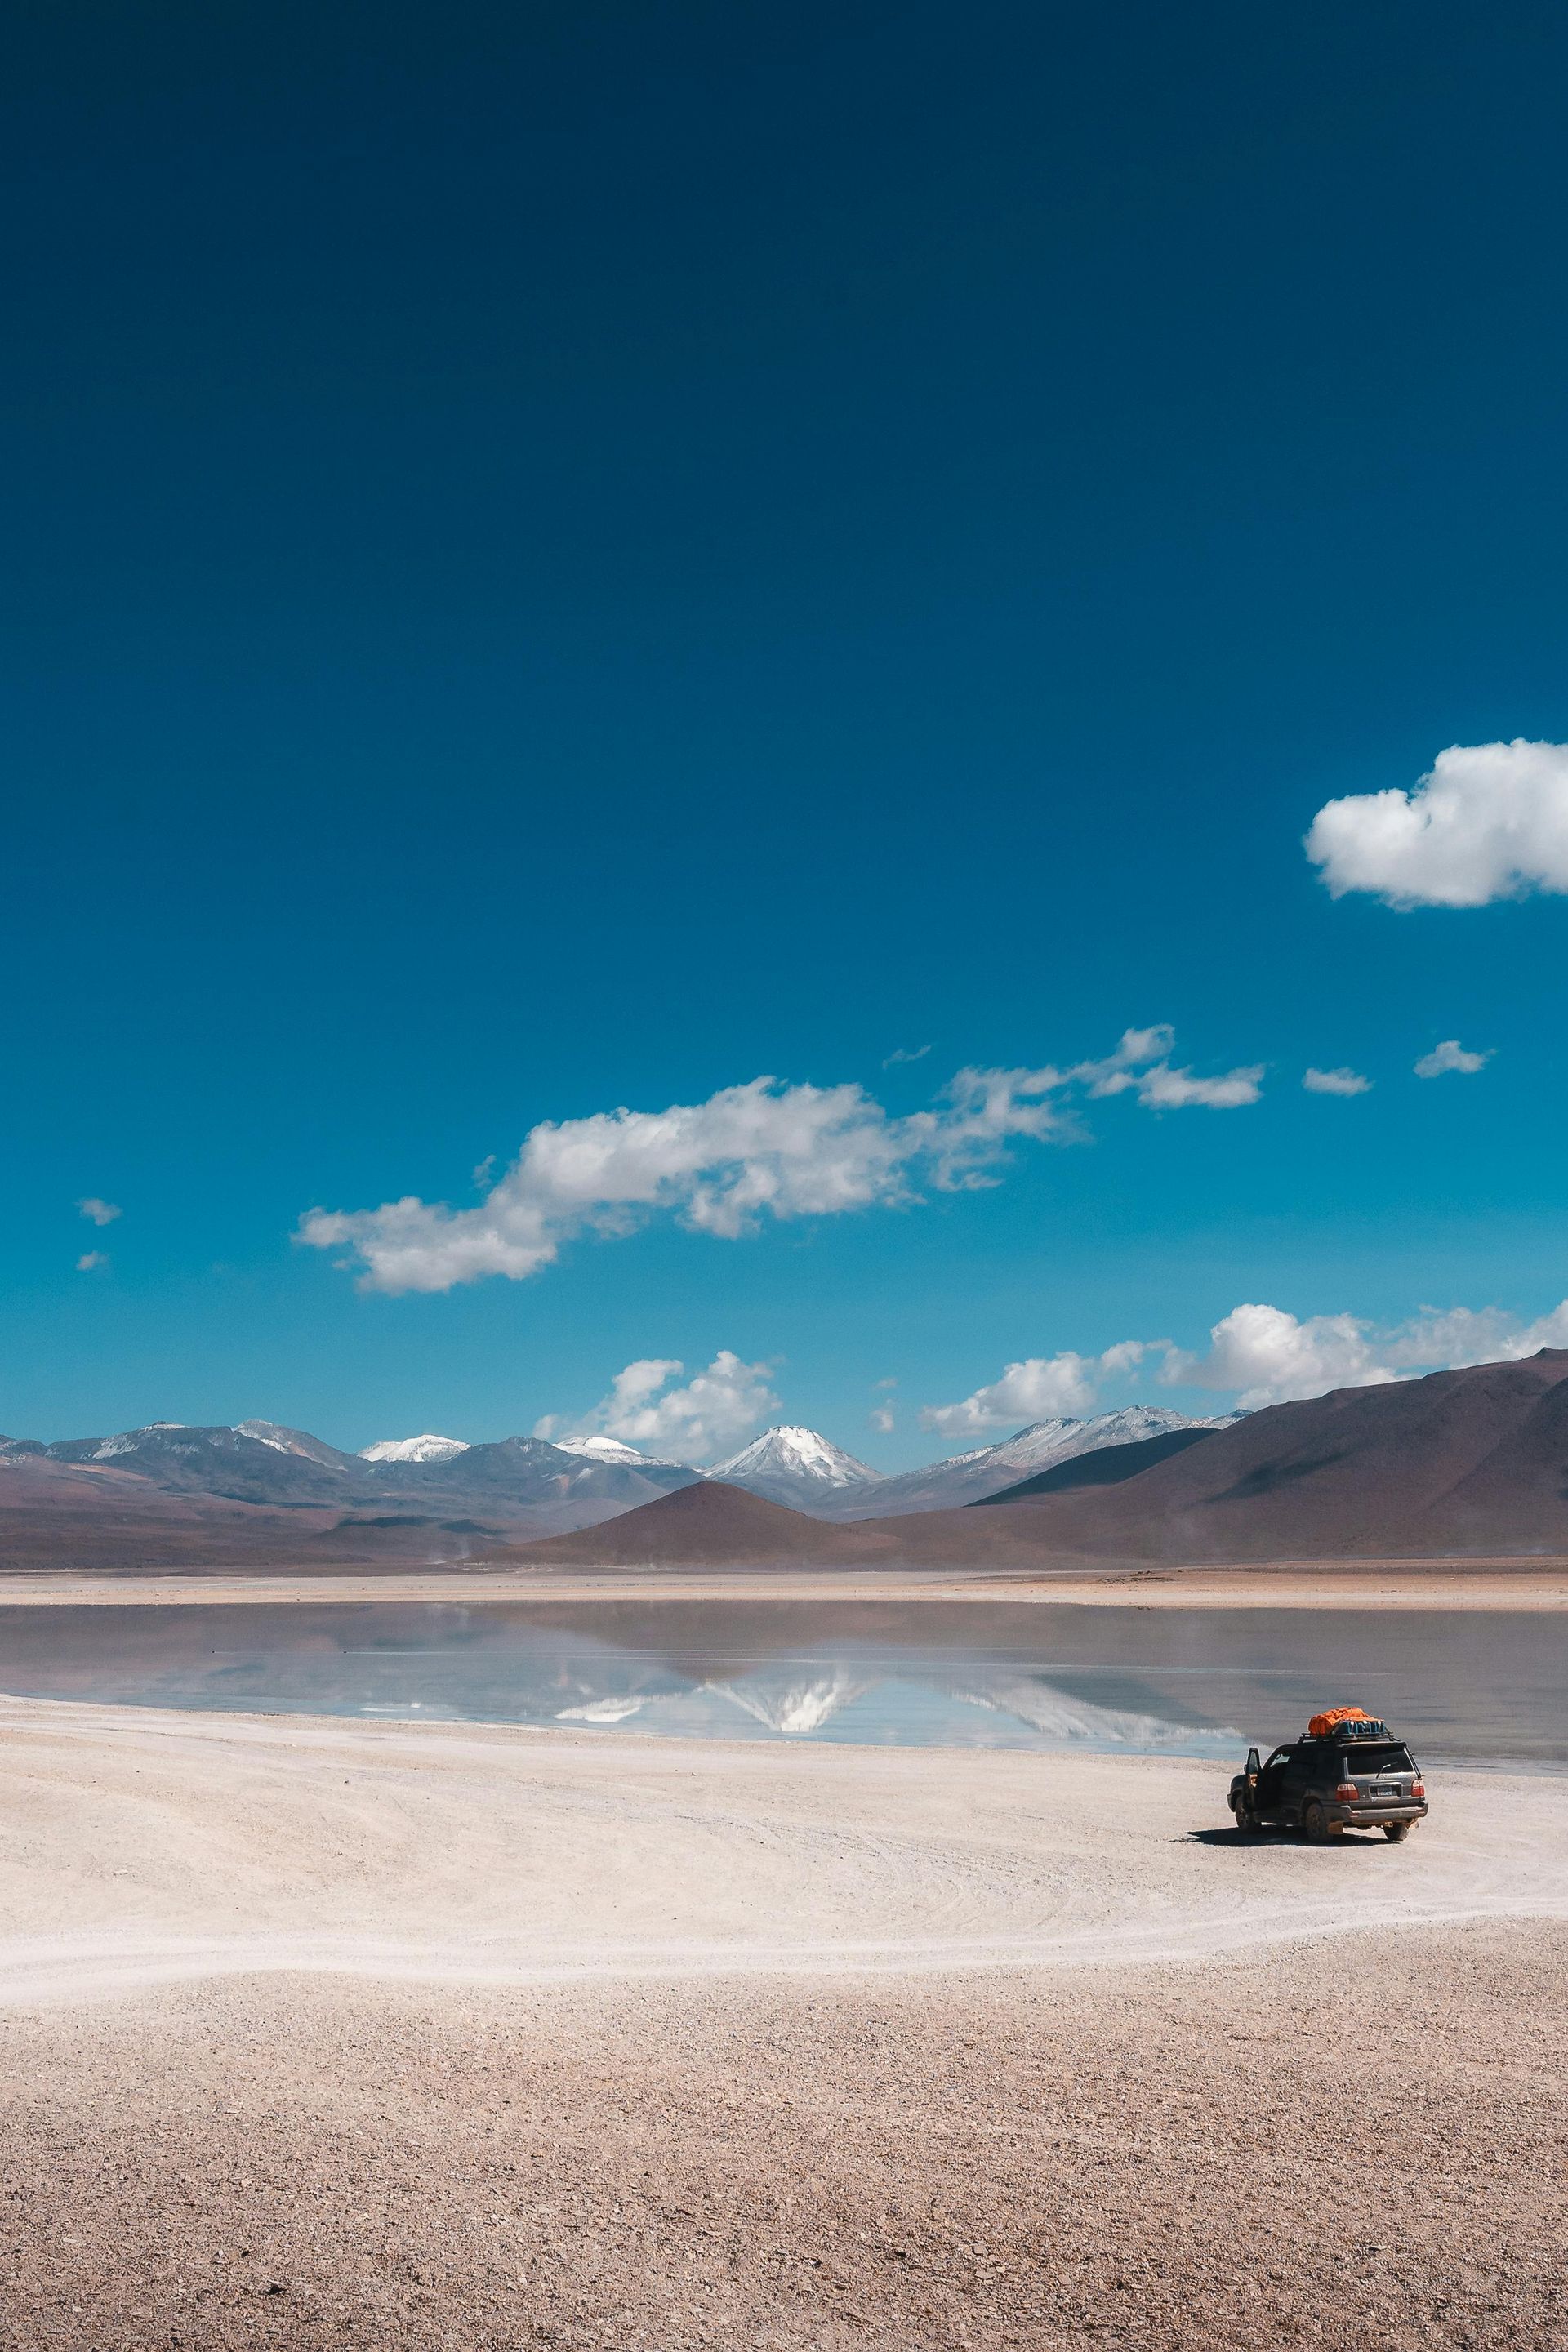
988,1469
1105,1466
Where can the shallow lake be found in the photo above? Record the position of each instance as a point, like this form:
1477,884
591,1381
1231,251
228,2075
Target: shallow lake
1482,1687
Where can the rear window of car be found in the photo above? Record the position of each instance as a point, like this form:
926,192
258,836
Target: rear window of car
1378,1755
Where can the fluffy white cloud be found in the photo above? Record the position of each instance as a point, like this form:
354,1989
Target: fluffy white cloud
1266,1355
708,1416
1336,1082
1035,1390
1451,1055
98,1212
1489,821
752,1151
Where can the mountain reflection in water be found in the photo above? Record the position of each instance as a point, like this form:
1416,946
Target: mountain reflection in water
1193,1682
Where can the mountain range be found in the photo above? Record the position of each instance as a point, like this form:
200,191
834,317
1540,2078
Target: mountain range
1464,1464
529,1484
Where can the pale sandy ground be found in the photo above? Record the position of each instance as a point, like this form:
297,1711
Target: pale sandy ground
328,2034
1304,1584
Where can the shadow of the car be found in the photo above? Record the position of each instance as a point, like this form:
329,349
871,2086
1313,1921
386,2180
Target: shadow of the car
1265,1840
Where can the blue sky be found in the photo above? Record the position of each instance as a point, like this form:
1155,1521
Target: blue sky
569,559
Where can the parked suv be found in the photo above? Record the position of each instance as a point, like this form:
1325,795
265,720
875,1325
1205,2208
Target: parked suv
1353,1775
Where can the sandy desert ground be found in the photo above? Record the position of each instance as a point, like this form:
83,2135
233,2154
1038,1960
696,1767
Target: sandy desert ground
332,2034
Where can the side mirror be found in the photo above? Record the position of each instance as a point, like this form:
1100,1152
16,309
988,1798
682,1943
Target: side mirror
1254,1763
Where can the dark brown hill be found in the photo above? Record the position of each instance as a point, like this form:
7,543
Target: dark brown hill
710,1525
1465,1463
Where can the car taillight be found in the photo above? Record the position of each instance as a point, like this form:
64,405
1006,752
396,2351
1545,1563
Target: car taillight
1418,1787
1347,1792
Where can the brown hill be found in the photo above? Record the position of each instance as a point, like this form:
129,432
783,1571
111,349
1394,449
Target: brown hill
710,1525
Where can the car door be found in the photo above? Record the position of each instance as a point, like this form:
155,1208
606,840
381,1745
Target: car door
1270,1782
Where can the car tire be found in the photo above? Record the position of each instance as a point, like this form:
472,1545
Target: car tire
1246,1820
1396,1831
1315,1822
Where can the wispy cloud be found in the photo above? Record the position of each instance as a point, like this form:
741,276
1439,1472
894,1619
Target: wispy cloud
763,1150
91,1260
905,1054
1335,1081
1450,1056
1489,821
707,1416
96,1211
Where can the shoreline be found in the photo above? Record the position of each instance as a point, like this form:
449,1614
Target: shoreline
1383,1585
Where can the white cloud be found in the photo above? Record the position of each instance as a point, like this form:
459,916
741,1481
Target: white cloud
1266,1356
883,1419
763,1149
1489,821
99,1212
1335,1081
1035,1389
708,1416
1451,1055
905,1054
89,1261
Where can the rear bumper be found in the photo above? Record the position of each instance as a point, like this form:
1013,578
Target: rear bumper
1373,1817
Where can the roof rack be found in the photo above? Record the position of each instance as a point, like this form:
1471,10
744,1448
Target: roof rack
1347,1723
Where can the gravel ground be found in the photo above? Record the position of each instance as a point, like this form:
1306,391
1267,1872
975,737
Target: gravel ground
1357,2146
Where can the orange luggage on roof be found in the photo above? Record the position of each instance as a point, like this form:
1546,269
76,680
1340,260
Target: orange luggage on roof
1321,1725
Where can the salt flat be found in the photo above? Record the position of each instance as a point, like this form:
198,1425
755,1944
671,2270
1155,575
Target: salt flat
142,1846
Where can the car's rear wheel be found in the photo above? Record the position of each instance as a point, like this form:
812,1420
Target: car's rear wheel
1315,1822
1396,1831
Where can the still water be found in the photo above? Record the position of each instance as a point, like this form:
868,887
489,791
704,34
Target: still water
1490,1689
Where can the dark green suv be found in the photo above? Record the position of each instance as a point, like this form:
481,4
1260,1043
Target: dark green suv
1356,1777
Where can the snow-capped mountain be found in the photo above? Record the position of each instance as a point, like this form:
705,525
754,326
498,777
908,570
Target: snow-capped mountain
429,1448
610,1449
967,1477
797,1466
